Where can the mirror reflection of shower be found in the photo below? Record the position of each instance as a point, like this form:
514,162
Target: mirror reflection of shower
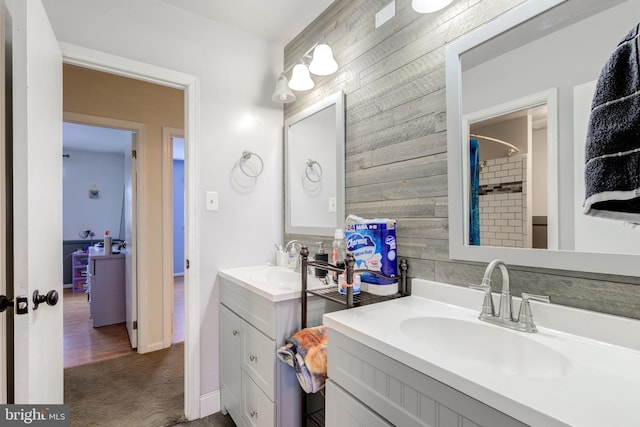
511,181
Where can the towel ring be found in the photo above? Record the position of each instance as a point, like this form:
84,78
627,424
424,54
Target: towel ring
310,168
246,155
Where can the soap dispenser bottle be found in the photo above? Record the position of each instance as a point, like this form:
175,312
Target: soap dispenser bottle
292,258
321,255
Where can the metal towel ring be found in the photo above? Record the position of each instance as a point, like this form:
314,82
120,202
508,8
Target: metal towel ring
309,167
246,155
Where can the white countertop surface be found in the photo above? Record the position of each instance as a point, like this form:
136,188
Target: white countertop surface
271,282
601,388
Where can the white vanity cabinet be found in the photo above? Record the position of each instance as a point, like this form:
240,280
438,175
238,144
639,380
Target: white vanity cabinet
362,378
258,389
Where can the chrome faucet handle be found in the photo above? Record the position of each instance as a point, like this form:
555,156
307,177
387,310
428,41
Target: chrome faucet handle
525,317
487,305
527,296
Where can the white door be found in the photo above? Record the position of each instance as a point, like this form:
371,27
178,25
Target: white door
3,288
37,201
131,288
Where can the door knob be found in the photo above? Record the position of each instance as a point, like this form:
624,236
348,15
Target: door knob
22,306
51,298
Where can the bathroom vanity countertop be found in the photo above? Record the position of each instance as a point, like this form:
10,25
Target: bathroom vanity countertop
271,282
598,386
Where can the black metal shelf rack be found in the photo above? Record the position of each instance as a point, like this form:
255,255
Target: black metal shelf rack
316,417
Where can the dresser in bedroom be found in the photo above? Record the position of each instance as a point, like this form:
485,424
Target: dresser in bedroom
106,287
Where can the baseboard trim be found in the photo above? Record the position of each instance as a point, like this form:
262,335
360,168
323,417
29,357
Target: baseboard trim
209,403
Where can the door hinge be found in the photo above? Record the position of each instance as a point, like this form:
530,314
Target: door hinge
187,264
134,154
135,324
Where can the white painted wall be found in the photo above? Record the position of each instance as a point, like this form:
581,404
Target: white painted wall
80,172
237,73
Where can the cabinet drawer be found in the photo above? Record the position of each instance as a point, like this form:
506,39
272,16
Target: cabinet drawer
256,310
258,358
344,409
257,409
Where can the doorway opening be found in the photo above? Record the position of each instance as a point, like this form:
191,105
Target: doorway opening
189,85
97,177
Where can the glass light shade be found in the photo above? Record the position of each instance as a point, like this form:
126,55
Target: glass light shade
323,63
300,78
429,6
283,94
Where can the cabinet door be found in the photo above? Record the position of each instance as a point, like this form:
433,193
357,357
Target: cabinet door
342,409
230,361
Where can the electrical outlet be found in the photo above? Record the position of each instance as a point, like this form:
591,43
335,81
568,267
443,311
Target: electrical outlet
386,13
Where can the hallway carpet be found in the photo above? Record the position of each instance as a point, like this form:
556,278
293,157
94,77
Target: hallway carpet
134,390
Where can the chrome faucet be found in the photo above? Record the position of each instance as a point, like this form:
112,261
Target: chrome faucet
504,317
298,265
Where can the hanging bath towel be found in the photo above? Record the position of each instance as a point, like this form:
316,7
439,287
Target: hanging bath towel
612,168
306,352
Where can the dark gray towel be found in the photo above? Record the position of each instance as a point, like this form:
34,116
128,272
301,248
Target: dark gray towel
612,169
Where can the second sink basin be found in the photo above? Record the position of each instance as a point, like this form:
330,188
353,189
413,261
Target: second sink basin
477,343
275,276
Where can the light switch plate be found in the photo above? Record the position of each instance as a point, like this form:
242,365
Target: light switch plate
386,13
212,201
332,204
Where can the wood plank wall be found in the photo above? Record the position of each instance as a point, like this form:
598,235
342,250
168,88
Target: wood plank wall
396,159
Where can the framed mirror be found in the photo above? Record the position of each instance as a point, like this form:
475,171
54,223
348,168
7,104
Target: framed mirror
519,92
314,168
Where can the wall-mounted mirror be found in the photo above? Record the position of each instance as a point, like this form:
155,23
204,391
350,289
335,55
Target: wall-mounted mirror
314,168
519,92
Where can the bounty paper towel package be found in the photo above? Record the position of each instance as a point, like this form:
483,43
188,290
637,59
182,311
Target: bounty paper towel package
373,244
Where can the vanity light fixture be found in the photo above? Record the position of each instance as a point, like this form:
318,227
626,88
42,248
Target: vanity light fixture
283,93
429,6
300,77
322,63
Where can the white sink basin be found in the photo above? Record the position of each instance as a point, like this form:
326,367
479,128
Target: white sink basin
275,276
479,343
273,283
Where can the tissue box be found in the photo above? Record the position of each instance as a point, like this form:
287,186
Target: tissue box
373,244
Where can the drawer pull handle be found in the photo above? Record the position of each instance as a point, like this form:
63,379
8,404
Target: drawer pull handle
235,332
253,358
254,414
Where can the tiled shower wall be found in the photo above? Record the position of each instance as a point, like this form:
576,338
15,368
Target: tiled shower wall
503,202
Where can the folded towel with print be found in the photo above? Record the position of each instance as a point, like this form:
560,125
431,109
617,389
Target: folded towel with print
612,169
306,352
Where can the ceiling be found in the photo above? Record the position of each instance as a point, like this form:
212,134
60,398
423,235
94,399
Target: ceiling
277,21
